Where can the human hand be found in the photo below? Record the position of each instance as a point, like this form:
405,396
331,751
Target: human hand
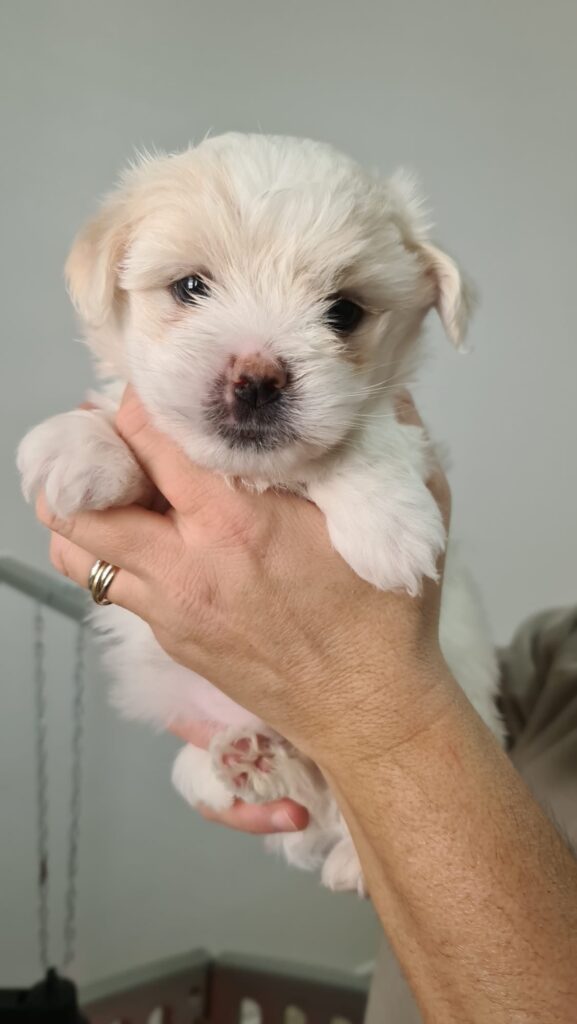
246,590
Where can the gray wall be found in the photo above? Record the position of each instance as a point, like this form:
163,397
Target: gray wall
479,98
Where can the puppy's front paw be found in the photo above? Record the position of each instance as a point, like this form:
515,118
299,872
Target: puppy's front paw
415,537
392,541
81,463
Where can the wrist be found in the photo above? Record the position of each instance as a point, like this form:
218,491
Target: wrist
384,715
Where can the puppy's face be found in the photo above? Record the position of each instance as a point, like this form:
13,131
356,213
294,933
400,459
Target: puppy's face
260,293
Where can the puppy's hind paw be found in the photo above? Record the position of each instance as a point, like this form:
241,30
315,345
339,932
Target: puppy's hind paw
250,764
194,778
342,870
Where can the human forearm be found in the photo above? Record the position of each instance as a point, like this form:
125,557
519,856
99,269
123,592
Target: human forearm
475,889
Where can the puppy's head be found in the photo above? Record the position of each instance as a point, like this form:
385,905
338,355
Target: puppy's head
260,292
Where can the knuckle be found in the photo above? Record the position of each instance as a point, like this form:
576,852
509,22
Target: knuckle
58,555
47,517
239,530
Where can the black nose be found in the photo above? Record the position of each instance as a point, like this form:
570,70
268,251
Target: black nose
255,392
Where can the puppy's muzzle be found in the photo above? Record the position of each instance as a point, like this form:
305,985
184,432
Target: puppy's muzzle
251,402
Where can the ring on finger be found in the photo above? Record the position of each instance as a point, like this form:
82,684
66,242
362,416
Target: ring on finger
100,579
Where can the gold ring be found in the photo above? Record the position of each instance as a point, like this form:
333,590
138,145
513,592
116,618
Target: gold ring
101,576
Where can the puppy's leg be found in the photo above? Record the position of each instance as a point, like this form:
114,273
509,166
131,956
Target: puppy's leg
81,463
194,777
380,515
342,870
310,848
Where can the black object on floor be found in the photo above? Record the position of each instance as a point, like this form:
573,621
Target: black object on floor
51,1001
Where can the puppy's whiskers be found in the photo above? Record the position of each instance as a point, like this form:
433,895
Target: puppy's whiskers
375,366
374,390
363,416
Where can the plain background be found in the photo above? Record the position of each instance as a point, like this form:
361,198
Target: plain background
479,98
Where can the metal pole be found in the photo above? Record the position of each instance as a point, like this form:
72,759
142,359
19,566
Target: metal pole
43,587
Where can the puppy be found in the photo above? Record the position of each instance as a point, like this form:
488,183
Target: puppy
265,296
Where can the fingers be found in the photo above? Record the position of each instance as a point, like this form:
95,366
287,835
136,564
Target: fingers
261,819
186,486
123,536
406,409
439,488
197,733
437,482
73,562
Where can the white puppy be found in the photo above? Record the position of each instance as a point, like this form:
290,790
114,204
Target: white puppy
265,297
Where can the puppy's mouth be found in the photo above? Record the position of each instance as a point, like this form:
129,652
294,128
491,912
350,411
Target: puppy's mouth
255,438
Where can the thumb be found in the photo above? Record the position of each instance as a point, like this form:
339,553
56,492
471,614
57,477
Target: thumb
185,486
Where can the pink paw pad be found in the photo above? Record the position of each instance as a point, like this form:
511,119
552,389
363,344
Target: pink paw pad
245,757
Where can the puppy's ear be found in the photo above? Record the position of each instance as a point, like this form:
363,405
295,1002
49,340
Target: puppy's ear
92,265
454,297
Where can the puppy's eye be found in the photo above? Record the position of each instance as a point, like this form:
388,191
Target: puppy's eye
189,289
343,315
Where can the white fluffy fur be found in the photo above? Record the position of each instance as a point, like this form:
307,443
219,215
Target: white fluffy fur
278,225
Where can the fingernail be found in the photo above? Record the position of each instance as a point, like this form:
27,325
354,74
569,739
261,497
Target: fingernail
282,821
